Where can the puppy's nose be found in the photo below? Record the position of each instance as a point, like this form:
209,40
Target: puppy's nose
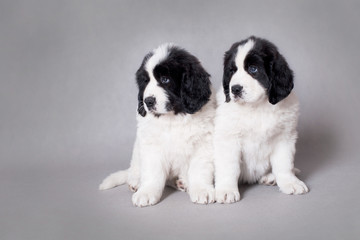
236,90
150,102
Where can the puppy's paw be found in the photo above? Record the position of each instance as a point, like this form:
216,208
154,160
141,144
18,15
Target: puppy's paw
134,184
143,198
133,188
181,185
294,186
227,195
268,179
202,195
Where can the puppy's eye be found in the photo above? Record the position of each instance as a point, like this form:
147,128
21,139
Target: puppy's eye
164,80
252,69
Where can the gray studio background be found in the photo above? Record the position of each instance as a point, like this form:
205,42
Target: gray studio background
68,103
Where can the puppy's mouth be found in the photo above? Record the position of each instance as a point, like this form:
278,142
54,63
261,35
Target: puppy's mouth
151,109
154,111
237,98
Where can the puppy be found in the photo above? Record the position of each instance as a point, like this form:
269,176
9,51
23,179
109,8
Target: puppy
255,124
174,131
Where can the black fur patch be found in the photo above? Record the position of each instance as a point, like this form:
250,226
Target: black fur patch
142,80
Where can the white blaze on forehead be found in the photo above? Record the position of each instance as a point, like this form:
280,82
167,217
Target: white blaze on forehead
153,89
159,54
252,91
242,52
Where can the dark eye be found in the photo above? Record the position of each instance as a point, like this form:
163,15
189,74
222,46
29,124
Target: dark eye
252,69
164,80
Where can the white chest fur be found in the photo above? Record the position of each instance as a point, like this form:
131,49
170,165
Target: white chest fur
257,129
175,138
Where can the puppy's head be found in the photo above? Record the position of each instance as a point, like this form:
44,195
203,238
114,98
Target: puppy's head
171,80
255,70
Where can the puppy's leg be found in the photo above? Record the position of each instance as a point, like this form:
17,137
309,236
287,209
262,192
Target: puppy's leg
153,177
201,174
227,168
282,161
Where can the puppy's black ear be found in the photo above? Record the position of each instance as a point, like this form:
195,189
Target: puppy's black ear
141,109
281,79
195,88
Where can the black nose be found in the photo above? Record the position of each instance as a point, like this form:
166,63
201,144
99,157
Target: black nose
150,102
236,90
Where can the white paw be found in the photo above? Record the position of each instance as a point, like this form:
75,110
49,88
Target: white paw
181,185
227,195
295,186
145,198
202,195
108,183
268,179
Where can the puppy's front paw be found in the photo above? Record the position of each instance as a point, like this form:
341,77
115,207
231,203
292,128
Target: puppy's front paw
227,195
145,198
294,186
202,195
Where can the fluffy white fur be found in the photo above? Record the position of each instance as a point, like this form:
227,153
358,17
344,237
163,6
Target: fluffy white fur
170,149
254,141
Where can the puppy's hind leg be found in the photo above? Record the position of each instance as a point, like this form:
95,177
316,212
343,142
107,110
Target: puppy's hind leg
282,161
134,170
181,184
178,183
268,179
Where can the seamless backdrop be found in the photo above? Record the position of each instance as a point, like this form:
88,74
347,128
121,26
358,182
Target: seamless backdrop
68,104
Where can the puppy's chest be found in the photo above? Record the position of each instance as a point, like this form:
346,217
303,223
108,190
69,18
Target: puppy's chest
258,125
172,136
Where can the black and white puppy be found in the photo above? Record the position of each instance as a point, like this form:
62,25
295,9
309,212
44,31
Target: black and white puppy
174,132
255,122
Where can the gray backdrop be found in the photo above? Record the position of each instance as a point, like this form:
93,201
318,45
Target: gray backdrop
68,103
